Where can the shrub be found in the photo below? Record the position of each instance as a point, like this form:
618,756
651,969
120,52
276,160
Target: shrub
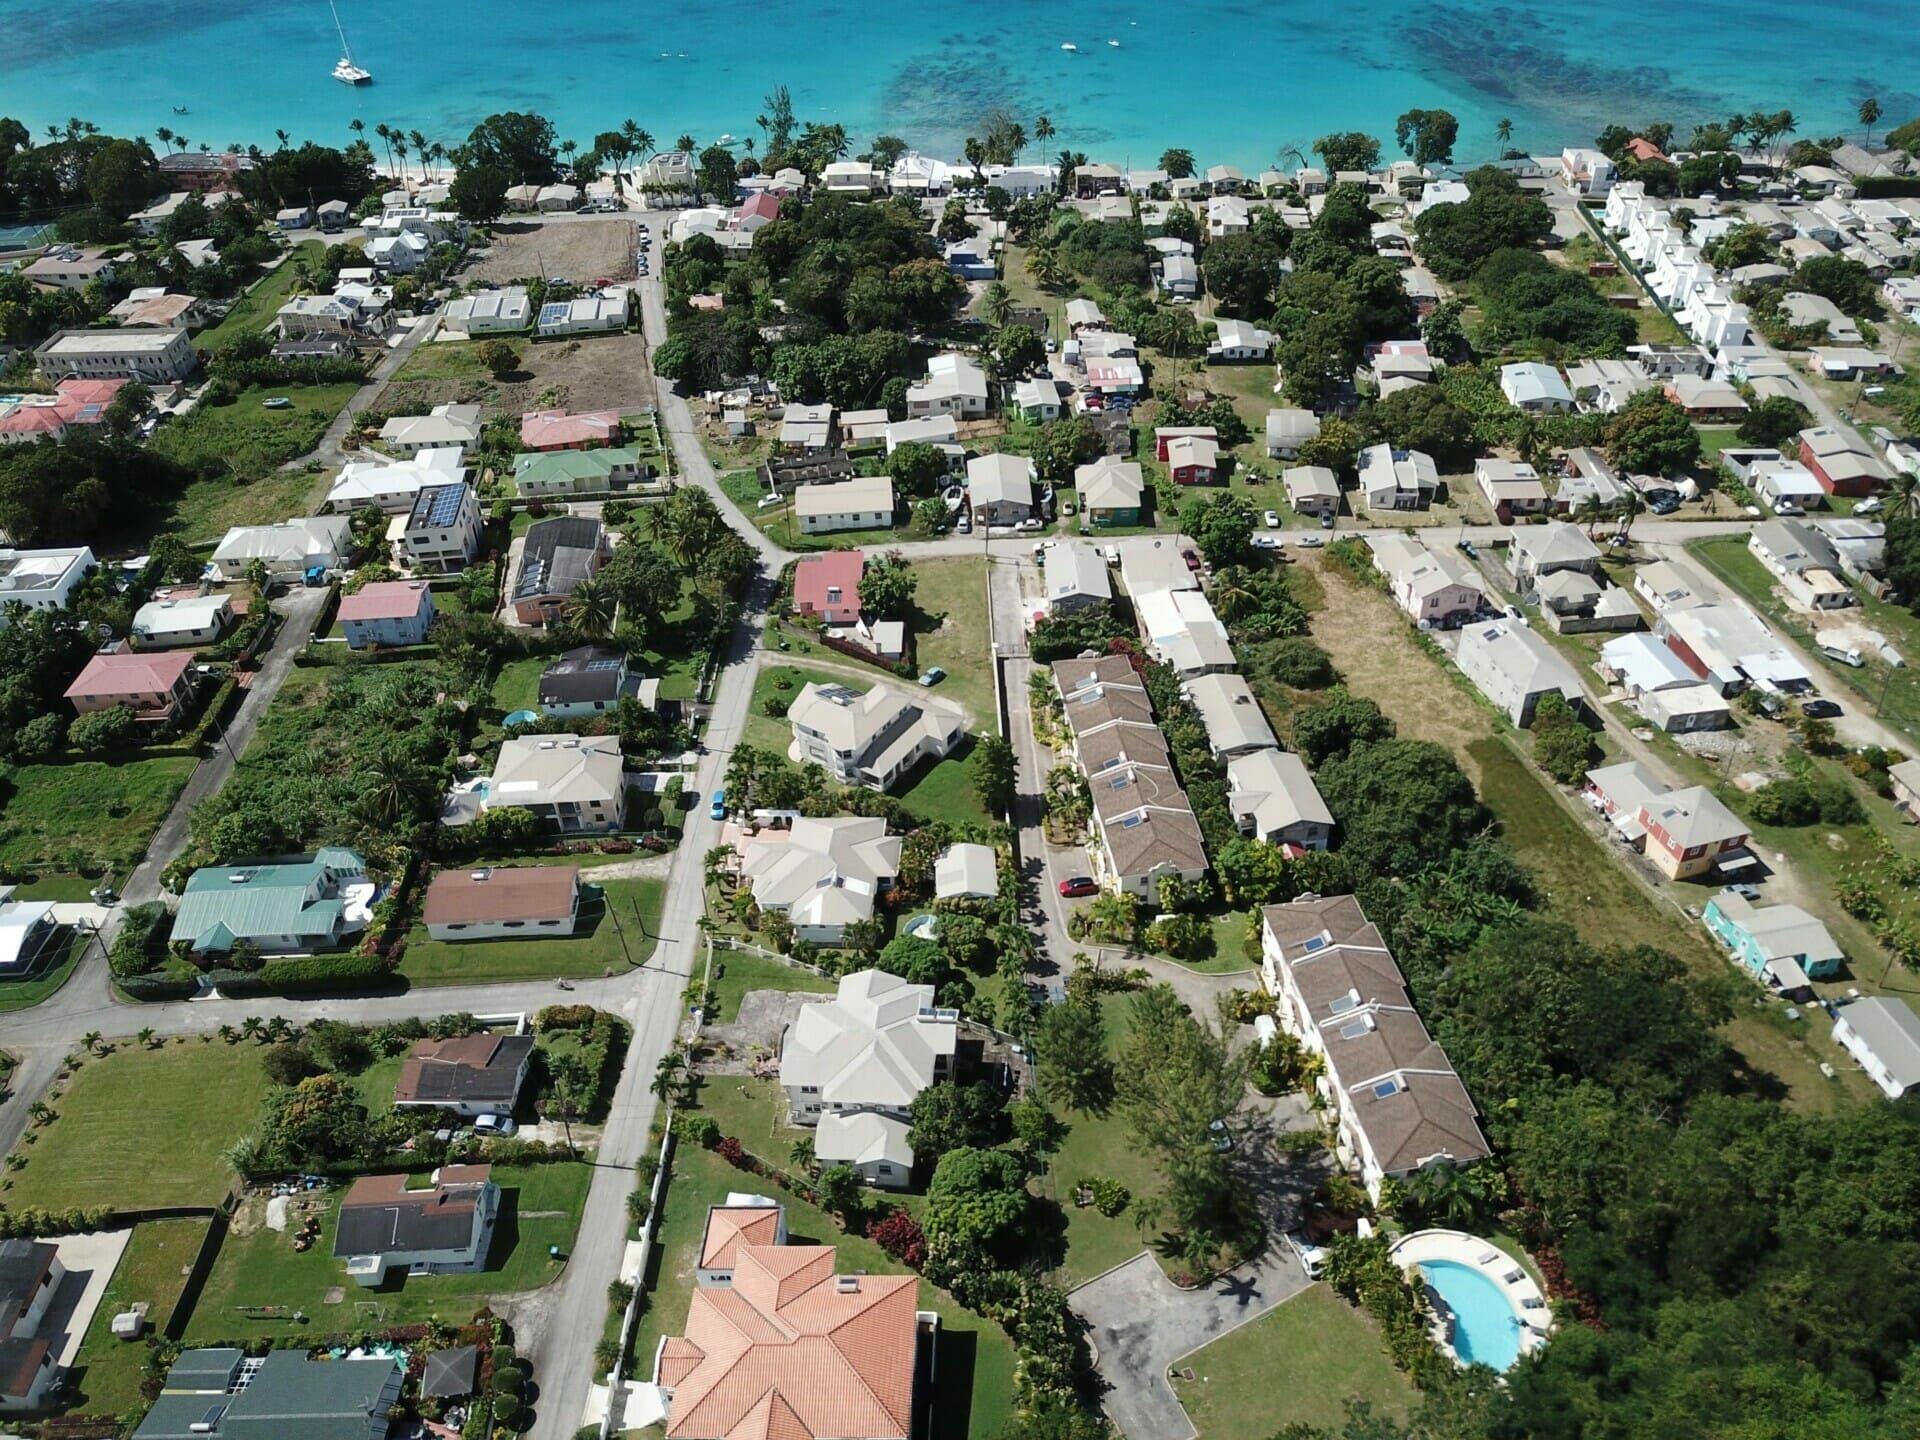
701,1130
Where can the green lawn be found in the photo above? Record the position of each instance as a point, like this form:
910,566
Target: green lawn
619,927
240,448
975,1361
944,791
1299,1364
737,973
1101,1147
143,1128
375,1084
517,686
1894,695
255,310
55,967
1228,956
107,1373
58,817
540,1207
52,885
763,731
952,629
448,360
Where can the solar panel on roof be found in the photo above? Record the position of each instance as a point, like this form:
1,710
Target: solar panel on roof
603,665
443,505
839,694
1386,1089
554,310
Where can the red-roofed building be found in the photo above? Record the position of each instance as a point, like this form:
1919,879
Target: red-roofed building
74,402
829,586
390,612
789,1348
758,210
559,430
153,685
1641,148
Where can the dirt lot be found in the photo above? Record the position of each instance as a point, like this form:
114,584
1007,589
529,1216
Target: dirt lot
589,372
582,251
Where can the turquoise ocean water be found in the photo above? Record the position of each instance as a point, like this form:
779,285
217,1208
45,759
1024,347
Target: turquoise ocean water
1234,80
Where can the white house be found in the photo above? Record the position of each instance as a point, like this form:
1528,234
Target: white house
1273,798
1238,342
1075,576
391,486
1535,388
42,579
1398,479
955,385
1511,487
154,357
1882,1034
288,551
488,312
1514,668
1181,629
870,1050
1398,1105
1312,489
574,783
167,624
862,503
445,427
1234,721
1438,589
871,739
823,874
441,531
966,872
1288,429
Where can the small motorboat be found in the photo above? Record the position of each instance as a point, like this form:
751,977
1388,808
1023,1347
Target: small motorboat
1114,43
179,109
1070,47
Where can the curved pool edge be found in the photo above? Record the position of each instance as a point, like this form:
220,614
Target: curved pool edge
1508,1276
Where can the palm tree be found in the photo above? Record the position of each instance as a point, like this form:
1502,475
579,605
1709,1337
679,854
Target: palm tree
145,1037
976,156
1630,506
715,862
1016,139
1044,267
1069,162
569,148
399,144
385,132
165,135
1869,117
1233,594
229,1034
358,127
396,789
91,1040
670,1078
281,136
996,304
590,610
1503,131
1042,131
801,1153
1587,513
419,148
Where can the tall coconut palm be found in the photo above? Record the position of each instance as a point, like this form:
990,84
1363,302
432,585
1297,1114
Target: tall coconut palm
1042,131
420,148
281,136
1044,267
590,610
399,144
397,789
1869,117
358,127
1233,593
165,136
1503,131
996,304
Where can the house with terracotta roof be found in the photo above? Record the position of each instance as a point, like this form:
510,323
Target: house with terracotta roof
791,1349
75,401
477,1074
828,586
559,430
442,1228
1399,1106
499,902
388,612
744,1220
154,686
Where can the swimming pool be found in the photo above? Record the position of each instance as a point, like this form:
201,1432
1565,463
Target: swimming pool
1485,1329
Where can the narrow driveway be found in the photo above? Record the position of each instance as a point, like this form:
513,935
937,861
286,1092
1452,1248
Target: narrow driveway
331,450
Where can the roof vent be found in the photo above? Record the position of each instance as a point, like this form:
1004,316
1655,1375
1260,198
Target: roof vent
239,877
847,1284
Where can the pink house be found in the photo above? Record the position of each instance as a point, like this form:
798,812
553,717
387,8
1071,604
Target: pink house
152,684
829,586
756,211
558,430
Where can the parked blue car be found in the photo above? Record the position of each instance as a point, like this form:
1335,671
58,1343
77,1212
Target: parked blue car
719,810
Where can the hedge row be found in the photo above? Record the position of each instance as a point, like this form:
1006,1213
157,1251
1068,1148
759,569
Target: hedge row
303,976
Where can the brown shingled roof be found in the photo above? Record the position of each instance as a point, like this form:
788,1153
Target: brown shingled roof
489,895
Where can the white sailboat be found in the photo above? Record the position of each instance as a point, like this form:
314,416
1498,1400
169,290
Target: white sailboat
344,70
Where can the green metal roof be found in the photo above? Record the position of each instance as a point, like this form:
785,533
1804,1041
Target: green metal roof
224,903
574,464
293,1397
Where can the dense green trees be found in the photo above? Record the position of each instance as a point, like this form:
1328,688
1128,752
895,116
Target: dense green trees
1242,272
1456,239
1402,805
1774,421
1422,418
523,145
1222,526
1847,283
1527,297
1652,436
1427,135
1348,150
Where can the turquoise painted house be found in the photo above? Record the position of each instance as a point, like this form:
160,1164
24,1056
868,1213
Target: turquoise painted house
1779,945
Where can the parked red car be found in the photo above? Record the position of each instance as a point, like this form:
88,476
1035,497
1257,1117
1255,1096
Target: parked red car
1078,885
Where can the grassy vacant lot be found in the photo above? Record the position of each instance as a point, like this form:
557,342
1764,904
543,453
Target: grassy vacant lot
540,1206
107,1374
52,816
975,1362
143,1128
247,436
255,310
1101,1147
55,966
952,629
1298,1364
517,686
619,926
737,973
1734,565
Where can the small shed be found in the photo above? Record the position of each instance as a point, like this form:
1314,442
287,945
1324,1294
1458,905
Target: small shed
450,1373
